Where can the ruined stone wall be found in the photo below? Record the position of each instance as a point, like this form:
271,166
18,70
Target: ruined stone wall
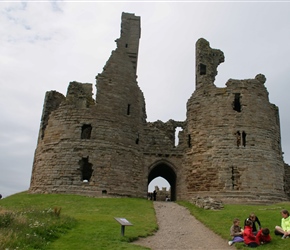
92,147
229,146
235,136
162,155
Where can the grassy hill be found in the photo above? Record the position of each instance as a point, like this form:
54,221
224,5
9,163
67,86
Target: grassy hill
83,222
73,222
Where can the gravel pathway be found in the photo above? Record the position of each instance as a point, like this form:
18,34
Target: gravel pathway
178,230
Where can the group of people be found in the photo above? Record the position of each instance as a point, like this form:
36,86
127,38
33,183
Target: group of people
152,196
250,235
253,236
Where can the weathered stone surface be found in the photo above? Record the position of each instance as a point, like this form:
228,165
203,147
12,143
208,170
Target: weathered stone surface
229,147
207,203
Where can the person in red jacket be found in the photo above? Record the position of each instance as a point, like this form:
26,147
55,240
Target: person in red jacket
263,236
249,238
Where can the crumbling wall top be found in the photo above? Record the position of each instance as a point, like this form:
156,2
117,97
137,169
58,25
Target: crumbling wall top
80,94
207,61
130,35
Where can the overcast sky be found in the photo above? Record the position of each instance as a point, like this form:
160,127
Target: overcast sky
46,45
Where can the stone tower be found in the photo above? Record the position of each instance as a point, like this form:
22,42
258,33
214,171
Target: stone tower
234,134
229,145
89,146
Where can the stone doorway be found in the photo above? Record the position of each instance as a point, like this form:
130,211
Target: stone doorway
165,170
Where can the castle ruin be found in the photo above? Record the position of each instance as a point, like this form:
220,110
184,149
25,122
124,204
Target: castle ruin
229,145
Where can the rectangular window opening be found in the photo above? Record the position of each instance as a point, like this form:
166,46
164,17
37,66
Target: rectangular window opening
202,69
237,102
86,131
177,139
86,169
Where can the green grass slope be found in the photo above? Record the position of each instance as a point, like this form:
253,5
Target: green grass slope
73,222
90,221
220,221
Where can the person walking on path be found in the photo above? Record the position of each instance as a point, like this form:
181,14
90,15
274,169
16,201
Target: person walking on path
154,194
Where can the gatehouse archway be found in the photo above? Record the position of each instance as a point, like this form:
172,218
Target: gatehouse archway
165,170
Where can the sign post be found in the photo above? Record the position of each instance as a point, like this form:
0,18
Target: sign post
124,222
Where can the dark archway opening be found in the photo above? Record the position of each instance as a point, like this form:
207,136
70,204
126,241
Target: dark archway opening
165,171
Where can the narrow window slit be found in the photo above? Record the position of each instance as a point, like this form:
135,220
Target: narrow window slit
128,109
244,138
189,141
237,103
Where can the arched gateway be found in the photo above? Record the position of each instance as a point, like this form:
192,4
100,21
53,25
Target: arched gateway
165,170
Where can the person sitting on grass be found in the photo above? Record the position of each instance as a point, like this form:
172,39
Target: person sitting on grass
236,232
255,220
285,225
263,236
249,238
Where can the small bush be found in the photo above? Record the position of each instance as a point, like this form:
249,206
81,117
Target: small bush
6,218
32,229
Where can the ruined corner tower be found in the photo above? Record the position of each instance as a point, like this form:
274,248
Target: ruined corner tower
229,145
91,147
234,132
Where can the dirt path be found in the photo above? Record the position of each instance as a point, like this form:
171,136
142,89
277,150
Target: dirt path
178,230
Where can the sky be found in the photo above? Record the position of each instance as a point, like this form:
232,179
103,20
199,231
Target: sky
44,45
